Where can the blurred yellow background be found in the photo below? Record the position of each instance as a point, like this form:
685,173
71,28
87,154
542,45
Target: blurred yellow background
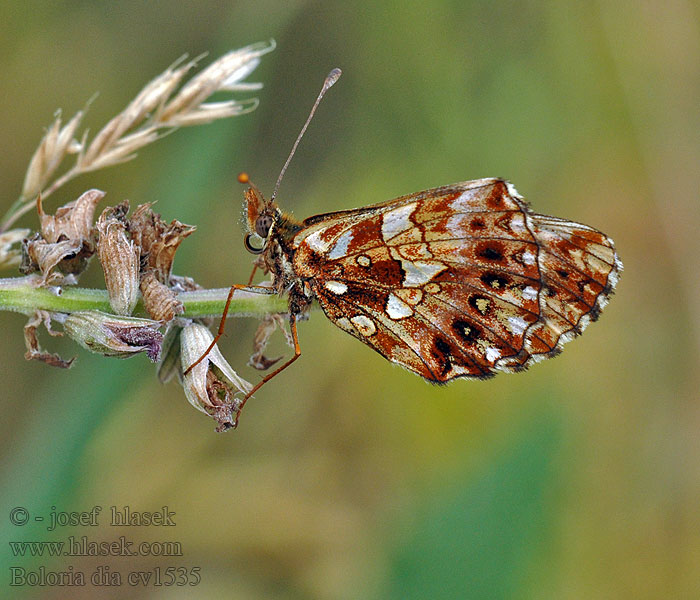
348,477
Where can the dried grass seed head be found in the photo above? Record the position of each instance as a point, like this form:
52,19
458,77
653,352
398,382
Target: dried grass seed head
153,109
150,98
56,143
146,119
224,74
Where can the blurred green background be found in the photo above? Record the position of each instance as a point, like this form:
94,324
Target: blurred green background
348,477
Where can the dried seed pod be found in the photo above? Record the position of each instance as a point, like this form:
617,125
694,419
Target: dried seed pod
119,257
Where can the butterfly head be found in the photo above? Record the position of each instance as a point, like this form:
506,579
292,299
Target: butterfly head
261,215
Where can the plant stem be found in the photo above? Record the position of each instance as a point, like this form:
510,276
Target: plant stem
20,294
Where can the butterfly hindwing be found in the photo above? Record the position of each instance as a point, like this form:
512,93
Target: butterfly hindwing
456,281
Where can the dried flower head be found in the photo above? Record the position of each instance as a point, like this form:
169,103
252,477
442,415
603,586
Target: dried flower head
66,241
31,340
169,364
11,257
108,335
40,255
119,257
212,385
159,300
158,242
268,325
72,221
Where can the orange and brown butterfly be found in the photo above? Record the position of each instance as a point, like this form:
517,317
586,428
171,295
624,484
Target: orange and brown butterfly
457,281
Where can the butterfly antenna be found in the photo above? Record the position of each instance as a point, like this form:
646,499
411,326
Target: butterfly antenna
332,77
245,178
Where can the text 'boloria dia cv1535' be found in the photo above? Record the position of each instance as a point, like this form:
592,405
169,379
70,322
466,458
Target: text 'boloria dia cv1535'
457,281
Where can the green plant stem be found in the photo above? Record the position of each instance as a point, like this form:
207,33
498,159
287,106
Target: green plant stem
20,294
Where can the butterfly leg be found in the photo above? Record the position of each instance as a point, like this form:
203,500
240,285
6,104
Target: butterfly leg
278,370
297,354
222,324
252,274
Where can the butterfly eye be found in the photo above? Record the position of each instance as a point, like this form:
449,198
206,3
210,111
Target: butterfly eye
249,247
263,224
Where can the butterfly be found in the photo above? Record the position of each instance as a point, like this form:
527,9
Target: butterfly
463,280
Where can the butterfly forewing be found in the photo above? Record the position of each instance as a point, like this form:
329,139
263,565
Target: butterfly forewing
458,280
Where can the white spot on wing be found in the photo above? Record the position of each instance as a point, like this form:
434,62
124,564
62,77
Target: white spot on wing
419,272
397,220
455,225
463,203
344,323
493,354
410,296
517,223
341,245
337,287
529,293
517,325
397,308
364,325
315,242
528,258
